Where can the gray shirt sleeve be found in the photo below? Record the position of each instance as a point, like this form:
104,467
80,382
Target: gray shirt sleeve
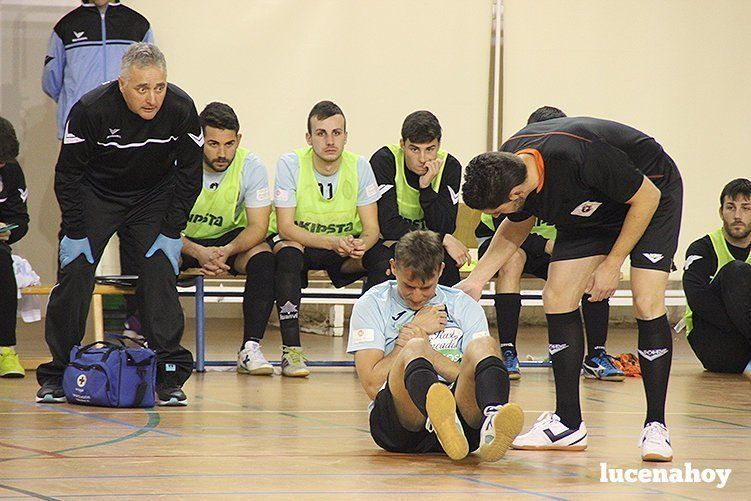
255,182
368,192
285,184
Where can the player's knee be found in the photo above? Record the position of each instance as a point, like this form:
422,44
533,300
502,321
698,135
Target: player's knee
481,347
416,347
649,306
289,260
515,265
557,299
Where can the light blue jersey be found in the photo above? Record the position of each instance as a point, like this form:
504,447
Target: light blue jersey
379,314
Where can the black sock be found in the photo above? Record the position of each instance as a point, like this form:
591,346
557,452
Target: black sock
507,309
8,299
566,337
491,382
596,317
288,290
419,376
376,263
258,296
655,356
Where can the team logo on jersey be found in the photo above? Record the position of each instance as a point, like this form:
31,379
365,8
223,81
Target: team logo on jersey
586,209
454,196
398,315
653,355
114,134
555,348
690,259
79,36
653,257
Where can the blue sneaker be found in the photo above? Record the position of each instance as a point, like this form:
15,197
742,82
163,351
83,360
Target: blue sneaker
600,366
512,364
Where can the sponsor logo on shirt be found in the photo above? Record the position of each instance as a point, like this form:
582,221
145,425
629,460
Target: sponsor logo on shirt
360,336
209,219
371,189
79,36
281,195
262,194
586,209
326,228
447,342
114,134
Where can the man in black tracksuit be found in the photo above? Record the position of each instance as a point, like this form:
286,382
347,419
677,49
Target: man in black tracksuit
130,161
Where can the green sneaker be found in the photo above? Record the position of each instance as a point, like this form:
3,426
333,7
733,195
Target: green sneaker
293,362
9,364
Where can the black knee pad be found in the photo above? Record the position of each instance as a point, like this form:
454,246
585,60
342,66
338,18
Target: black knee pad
289,260
417,365
491,361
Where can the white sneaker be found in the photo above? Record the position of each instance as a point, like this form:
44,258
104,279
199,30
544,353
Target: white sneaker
549,434
501,426
443,421
250,360
655,443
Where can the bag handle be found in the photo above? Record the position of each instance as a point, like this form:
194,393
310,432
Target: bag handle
110,348
122,338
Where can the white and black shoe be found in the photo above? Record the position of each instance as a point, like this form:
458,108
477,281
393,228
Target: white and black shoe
500,427
549,434
655,443
51,392
171,396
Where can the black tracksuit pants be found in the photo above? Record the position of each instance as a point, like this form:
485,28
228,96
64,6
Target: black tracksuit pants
720,350
156,296
8,298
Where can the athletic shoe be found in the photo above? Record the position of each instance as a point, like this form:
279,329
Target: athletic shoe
549,434
293,362
512,364
51,392
501,426
171,396
443,421
10,366
600,366
250,360
655,443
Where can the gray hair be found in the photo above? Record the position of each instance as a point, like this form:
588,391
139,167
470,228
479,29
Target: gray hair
142,54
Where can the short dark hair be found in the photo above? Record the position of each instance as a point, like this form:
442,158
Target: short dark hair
219,116
489,178
421,127
324,110
420,252
8,141
545,113
740,186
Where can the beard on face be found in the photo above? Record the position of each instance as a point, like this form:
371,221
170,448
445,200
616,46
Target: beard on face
212,163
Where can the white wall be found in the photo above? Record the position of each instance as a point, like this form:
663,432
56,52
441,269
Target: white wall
677,69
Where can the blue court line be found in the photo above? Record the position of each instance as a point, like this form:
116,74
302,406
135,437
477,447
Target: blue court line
24,491
717,421
96,417
745,411
506,487
272,493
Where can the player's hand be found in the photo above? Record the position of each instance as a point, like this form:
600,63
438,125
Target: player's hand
343,245
358,248
4,235
471,288
431,318
410,331
433,167
457,250
604,281
549,247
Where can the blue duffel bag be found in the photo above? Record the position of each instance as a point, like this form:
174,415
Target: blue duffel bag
110,375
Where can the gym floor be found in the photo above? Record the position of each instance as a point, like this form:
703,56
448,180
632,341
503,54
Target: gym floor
273,436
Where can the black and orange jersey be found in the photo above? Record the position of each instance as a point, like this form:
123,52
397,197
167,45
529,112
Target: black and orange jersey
589,169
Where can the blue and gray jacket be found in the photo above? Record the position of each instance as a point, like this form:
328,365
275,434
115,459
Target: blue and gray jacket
85,49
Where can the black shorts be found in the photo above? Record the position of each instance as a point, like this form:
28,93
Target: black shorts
322,259
191,262
535,265
654,251
390,435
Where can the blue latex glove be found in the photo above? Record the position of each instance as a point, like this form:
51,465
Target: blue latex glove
171,248
71,248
